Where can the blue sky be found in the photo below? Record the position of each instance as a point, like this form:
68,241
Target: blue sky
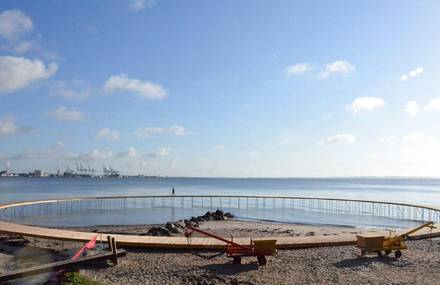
221,88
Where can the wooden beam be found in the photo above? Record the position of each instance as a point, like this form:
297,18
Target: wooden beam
114,251
65,264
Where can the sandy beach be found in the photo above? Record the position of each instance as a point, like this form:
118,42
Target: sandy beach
328,265
239,228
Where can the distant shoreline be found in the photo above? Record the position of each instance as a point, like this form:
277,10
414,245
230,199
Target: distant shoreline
238,178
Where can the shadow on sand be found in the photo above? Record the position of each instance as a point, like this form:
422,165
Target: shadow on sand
230,269
366,261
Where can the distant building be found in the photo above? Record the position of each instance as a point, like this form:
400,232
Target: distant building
39,173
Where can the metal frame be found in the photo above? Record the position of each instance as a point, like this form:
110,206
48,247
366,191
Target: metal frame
63,206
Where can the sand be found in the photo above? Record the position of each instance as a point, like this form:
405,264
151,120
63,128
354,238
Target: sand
241,229
330,265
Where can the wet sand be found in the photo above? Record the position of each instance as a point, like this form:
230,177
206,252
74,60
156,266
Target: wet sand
238,228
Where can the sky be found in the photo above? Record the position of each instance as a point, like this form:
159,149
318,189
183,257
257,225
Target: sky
221,88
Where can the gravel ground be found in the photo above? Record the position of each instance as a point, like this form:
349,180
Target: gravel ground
331,265
419,264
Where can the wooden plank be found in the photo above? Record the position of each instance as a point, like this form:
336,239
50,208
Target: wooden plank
114,251
196,242
55,266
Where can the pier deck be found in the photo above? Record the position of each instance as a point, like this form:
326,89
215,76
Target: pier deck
182,242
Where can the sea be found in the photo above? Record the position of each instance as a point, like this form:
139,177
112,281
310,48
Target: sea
403,190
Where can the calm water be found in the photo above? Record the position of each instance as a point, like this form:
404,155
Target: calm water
419,191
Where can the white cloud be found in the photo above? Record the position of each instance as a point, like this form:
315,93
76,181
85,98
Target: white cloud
404,77
173,162
63,114
220,147
413,73
71,90
94,154
365,104
413,137
433,105
59,144
412,108
298,69
34,154
8,127
339,139
148,132
107,134
13,24
23,46
177,130
139,5
388,140
131,152
160,152
19,72
144,89
342,67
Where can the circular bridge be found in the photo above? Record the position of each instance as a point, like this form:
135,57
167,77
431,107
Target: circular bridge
160,209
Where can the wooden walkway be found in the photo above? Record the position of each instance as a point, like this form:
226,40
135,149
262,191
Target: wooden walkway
195,242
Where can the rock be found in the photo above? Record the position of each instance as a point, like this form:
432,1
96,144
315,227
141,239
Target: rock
219,215
172,228
229,215
208,216
164,231
191,223
180,224
194,219
158,231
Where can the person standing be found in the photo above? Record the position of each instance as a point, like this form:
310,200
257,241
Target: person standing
173,192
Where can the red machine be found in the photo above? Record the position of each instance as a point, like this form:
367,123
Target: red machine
258,248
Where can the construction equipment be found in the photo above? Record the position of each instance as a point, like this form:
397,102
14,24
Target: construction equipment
385,245
258,248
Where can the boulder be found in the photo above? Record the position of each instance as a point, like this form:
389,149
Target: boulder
164,231
180,224
229,215
172,228
158,231
191,223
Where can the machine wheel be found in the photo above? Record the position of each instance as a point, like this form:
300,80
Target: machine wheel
397,253
236,260
387,252
261,260
379,253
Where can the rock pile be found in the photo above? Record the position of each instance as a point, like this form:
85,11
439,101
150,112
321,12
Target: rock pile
178,227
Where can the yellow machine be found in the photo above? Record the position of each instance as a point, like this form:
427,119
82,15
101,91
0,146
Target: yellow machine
378,244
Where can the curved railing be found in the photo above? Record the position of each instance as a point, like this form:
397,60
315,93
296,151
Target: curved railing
399,211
